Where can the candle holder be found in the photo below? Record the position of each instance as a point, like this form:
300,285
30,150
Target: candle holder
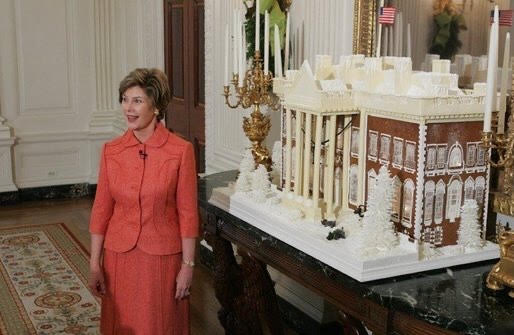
502,273
255,92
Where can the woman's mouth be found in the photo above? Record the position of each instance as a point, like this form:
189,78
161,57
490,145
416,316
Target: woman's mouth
132,118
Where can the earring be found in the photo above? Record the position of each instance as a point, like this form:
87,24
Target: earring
156,112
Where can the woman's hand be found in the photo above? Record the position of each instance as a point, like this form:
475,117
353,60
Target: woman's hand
184,278
96,282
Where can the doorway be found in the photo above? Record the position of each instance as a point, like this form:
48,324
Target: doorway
184,64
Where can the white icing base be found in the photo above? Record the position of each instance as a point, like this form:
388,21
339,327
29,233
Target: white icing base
310,237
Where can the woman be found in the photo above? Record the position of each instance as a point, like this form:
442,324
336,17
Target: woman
144,221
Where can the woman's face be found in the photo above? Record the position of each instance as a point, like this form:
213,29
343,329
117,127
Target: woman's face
137,108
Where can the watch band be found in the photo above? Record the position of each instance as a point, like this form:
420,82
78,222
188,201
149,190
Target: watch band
188,263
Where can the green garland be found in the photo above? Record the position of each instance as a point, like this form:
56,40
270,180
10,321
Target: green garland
446,41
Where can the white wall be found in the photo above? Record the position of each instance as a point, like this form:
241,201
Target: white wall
60,65
328,27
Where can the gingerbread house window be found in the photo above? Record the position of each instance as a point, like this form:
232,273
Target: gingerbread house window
397,196
353,185
471,154
438,235
479,189
408,203
455,159
372,176
429,202
355,142
385,141
454,199
469,188
481,155
398,153
410,156
441,156
373,145
431,157
440,190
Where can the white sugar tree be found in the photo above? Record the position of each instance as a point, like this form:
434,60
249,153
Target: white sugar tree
246,168
469,230
276,157
378,234
261,185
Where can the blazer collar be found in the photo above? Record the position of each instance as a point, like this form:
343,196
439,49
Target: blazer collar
158,138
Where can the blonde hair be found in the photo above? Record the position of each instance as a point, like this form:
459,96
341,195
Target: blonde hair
155,84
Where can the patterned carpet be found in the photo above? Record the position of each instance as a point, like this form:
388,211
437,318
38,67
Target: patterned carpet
43,282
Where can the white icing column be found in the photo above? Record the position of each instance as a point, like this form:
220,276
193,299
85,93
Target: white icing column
6,143
317,159
346,159
106,118
289,141
362,156
420,181
307,156
298,154
331,160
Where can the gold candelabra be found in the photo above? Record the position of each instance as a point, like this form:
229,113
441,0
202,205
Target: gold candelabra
502,274
255,91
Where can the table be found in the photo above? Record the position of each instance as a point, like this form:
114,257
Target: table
446,301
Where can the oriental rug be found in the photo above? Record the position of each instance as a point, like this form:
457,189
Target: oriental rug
43,282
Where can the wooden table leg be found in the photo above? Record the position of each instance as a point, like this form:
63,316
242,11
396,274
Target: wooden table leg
351,325
245,291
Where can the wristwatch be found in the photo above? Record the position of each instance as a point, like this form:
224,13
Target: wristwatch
188,263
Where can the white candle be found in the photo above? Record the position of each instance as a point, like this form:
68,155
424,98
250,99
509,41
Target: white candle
286,52
302,41
226,56
257,25
409,51
379,39
234,42
297,49
240,50
492,66
244,48
504,82
266,42
278,56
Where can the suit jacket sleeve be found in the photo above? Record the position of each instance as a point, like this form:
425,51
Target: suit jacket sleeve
104,202
186,196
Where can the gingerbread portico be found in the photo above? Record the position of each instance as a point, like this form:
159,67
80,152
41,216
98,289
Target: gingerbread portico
341,123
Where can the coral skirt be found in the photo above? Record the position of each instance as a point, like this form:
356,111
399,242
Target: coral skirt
140,297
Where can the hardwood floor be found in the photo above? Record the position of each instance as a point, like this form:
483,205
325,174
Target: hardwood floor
75,214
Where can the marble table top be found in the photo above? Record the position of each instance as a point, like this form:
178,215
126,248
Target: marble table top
454,298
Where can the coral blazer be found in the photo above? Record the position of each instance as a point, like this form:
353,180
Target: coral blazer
146,194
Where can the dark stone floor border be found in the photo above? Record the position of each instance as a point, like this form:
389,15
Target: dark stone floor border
71,191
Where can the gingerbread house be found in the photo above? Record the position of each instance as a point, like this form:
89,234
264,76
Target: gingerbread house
342,122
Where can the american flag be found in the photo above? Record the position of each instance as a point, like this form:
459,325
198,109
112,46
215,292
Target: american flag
505,17
386,15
